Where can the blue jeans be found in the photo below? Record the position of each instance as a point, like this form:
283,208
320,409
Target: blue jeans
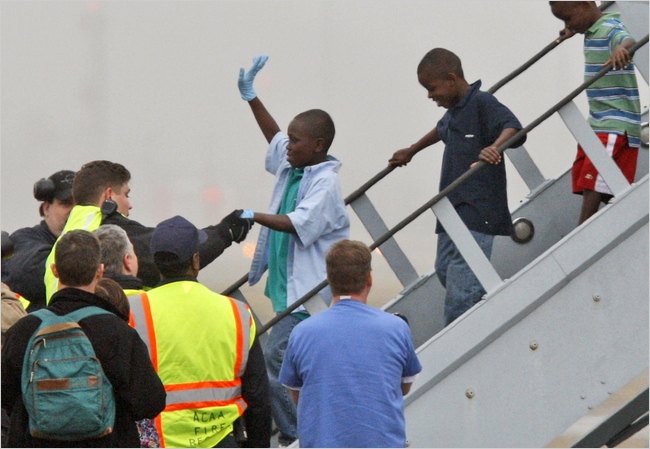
463,288
282,406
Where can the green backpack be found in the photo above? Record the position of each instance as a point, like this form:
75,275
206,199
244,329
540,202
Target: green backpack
65,390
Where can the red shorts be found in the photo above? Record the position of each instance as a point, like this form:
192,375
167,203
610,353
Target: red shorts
585,175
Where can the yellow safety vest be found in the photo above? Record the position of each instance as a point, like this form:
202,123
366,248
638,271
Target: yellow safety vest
198,342
81,217
132,291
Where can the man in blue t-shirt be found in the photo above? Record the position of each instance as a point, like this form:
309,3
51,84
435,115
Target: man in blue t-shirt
348,368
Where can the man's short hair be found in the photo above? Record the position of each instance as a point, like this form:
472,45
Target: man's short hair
348,267
439,62
115,244
320,124
77,258
95,177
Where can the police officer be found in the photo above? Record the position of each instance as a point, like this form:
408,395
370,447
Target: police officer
24,272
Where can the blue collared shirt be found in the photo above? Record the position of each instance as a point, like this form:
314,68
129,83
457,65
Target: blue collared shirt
320,220
467,127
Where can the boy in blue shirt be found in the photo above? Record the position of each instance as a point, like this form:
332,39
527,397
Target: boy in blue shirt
307,215
473,127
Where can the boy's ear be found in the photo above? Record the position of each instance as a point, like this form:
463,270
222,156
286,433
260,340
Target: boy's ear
320,145
451,77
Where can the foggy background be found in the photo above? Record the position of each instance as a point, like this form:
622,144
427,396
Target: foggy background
153,85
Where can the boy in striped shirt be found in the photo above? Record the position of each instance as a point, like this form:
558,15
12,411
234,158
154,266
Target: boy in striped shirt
614,107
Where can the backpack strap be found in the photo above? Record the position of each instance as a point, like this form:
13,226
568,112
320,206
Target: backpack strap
48,317
85,312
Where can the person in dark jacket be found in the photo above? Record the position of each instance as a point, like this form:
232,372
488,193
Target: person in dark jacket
98,181
24,272
139,393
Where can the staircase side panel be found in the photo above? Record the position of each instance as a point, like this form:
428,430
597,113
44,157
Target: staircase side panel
584,349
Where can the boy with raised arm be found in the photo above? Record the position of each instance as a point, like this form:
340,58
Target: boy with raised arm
306,216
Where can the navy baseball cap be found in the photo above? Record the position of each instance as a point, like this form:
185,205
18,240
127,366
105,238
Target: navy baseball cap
178,236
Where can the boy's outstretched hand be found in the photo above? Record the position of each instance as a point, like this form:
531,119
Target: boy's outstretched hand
620,58
246,78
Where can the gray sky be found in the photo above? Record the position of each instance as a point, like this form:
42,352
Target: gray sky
153,85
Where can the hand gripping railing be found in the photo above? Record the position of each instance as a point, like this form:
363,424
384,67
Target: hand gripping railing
454,185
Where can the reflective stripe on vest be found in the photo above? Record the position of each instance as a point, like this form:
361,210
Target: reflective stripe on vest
24,301
140,320
198,412
242,315
88,218
203,393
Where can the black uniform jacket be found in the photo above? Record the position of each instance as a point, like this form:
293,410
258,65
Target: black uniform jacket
219,239
24,271
139,393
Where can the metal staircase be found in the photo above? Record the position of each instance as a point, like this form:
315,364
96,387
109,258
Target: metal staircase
545,346
564,324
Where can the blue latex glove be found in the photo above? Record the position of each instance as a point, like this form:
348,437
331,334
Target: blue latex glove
248,213
246,79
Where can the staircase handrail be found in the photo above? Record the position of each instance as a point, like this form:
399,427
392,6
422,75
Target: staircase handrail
537,57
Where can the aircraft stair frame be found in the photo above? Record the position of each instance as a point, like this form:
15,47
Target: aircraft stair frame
502,376
499,352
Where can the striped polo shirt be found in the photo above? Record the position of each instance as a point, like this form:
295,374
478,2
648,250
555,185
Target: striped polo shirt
614,105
